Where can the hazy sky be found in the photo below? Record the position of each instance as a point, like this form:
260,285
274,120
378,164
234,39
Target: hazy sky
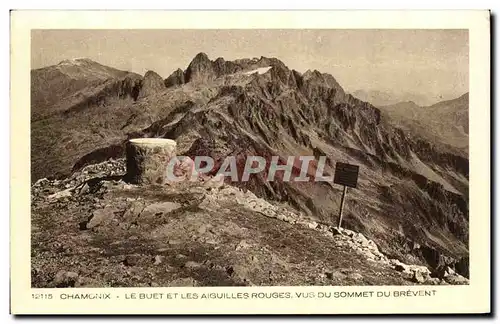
432,62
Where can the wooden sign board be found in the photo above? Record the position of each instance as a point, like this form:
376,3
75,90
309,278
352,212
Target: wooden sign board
346,174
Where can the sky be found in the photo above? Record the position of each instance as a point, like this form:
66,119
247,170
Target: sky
429,62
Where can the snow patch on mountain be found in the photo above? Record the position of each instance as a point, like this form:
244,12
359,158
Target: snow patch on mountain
261,70
74,61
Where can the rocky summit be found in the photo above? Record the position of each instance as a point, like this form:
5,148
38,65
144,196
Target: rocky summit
95,230
407,220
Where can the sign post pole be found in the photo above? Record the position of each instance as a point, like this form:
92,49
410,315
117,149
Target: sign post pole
346,175
342,206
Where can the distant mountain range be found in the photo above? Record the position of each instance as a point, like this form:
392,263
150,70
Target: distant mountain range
384,98
412,196
446,122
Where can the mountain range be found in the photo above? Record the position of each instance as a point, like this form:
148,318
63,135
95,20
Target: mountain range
412,194
445,123
385,98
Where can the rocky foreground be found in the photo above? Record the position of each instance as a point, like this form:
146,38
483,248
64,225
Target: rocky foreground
95,230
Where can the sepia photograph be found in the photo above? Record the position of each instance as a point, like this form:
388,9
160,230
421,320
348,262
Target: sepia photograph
254,124
250,162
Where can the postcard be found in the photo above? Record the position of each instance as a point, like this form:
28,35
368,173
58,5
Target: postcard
250,162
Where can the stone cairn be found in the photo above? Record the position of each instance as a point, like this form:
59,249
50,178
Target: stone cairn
147,160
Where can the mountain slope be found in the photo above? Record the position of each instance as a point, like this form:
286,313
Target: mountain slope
446,122
385,98
79,87
412,196
68,81
94,230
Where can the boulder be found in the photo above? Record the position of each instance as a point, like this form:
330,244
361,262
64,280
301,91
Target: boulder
85,189
132,260
348,232
242,245
133,211
419,277
422,269
442,272
399,266
360,239
355,276
158,260
456,279
41,182
312,225
192,265
101,217
61,194
335,231
65,278
372,246
334,275
434,281
163,208
183,282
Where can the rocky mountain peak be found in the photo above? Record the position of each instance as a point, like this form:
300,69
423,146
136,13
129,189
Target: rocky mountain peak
325,78
270,61
323,85
219,60
200,70
151,84
200,57
82,69
151,75
176,78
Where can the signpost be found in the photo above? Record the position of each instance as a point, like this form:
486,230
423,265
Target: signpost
347,175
